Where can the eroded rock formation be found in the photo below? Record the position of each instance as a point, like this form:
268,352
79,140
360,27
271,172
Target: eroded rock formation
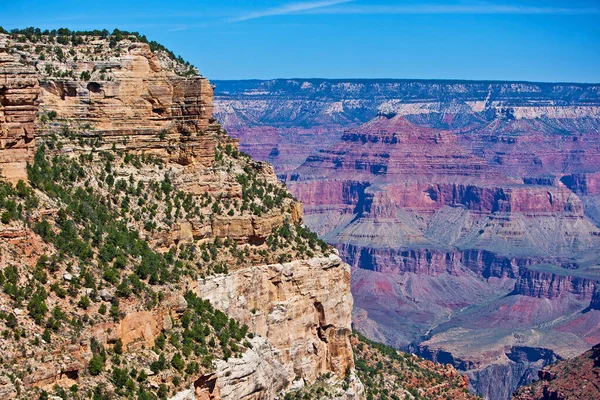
19,92
131,123
302,308
459,205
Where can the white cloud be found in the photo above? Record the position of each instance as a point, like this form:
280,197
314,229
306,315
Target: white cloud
478,8
289,9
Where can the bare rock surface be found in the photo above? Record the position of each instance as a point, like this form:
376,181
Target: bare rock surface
301,307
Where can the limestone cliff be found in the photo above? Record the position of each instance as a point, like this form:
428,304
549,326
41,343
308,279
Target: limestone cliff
143,226
303,309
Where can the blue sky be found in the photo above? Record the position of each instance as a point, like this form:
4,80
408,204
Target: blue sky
457,39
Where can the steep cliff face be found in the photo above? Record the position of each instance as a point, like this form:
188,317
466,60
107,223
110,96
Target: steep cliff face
459,205
143,225
550,286
19,91
131,100
302,308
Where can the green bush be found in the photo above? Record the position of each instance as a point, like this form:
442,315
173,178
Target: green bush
85,76
96,365
84,302
177,362
37,305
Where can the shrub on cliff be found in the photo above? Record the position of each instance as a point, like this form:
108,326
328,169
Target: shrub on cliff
96,364
85,76
177,362
37,305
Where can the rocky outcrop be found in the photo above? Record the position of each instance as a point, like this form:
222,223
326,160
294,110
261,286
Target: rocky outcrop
302,308
19,91
136,103
576,378
130,97
257,374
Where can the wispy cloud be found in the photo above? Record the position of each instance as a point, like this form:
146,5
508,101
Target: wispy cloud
479,8
289,9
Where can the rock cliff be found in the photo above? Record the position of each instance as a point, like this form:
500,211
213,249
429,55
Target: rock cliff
147,256
550,286
302,308
19,92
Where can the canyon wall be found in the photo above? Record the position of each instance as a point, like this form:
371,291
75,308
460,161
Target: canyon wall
132,113
19,91
459,205
302,308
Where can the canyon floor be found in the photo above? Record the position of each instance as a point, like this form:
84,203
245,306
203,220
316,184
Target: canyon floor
468,211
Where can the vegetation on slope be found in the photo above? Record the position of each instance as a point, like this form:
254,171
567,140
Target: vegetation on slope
388,374
93,220
98,269
64,45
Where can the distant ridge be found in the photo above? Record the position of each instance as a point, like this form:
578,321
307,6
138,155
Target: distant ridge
513,93
408,80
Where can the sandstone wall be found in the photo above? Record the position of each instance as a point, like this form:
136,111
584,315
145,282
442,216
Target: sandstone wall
550,286
19,91
302,308
133,100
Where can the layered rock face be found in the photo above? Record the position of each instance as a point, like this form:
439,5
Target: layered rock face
130,96
302,308
550,286
19,92
459,205
140,142
133,100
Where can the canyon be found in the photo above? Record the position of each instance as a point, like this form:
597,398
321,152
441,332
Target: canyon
143,255
468,211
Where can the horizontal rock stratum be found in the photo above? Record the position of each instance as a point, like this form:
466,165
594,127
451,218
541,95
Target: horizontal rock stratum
467,210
